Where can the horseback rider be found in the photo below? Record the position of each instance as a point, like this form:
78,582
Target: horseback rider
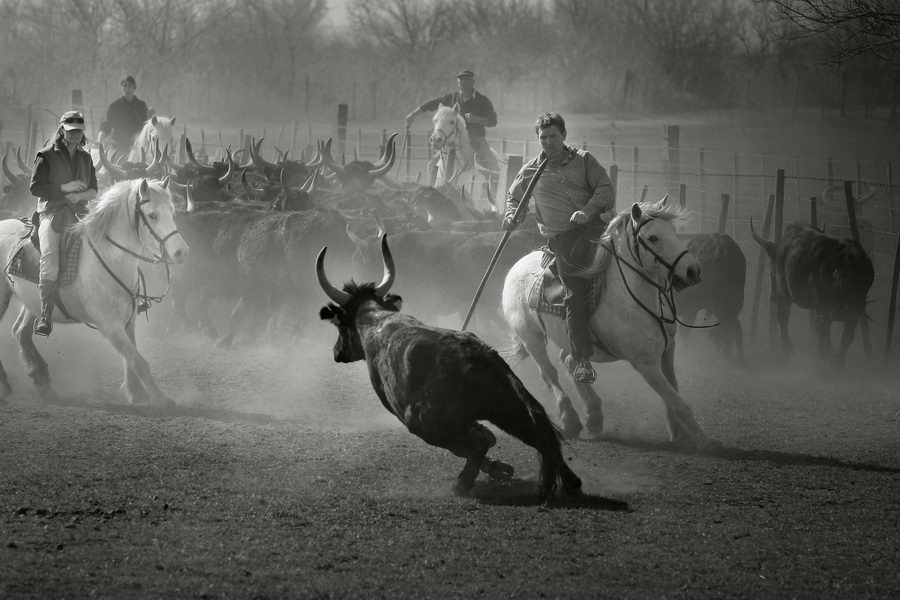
64,181
569,198
478,112
124,118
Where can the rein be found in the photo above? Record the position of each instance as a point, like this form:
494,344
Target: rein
665,293
139,300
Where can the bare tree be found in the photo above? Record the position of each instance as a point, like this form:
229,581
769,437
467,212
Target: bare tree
851,27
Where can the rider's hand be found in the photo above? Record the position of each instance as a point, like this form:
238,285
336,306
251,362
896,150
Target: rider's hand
73,186
509,223
410,118
579,217
470,118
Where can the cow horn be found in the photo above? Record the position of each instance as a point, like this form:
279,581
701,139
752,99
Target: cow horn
227,176
22,166
380,225
768,246
9,174
381,159
114,170
327,160
154,164
389,160
317,159
337,296
189,199
388,260
310,185
256,158
189,151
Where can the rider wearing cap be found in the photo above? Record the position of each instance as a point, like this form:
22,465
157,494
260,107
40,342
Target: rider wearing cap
64,181
125,117
478,112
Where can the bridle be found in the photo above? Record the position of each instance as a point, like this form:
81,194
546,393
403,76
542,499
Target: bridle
140,300
665,292
447,136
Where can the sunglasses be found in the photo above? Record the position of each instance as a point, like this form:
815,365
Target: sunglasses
70,120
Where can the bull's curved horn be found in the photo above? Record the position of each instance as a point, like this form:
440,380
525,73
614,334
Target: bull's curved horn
189,151
379,224
227,176
154,164
389,160
22,166
381,159
769,247
309,186
327,160
384,287
114,170
9,174
257,159
189,200
317,159
337,296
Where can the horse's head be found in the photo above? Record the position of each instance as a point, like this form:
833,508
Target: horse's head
154,221
163,130
448,124
649,232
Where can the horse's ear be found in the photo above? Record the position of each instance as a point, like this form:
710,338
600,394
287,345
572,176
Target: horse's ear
636,212
172,120
144,186
662,203
165,182
456,108
154,119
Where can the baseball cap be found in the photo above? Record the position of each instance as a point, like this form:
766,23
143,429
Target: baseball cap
72,120
465,73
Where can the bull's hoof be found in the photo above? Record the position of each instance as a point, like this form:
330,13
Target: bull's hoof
462,488
497,470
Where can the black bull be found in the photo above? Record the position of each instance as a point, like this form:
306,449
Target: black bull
441,382
813,270
720,293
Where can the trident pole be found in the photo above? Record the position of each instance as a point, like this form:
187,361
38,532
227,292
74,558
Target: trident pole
522,204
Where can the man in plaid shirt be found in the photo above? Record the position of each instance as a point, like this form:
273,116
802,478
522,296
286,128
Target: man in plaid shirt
569,197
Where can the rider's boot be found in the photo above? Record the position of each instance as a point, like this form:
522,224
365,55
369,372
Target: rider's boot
581,370
43,325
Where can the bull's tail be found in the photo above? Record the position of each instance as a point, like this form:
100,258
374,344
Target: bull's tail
534,427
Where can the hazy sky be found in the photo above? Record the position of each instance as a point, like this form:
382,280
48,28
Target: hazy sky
337,12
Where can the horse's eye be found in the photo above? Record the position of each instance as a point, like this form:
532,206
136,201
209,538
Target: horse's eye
652,239
154,216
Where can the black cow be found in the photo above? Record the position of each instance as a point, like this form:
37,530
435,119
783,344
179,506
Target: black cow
829,276
720,293
441,382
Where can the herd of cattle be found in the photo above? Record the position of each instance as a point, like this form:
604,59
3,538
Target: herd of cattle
254,226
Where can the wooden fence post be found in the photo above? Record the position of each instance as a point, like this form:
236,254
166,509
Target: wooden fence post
854,231
614,179
701,161
723,214
892,308
513,165
634,178
342,129
761,259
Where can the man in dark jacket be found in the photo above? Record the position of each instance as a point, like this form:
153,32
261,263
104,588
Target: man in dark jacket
125,118
64,181
477,110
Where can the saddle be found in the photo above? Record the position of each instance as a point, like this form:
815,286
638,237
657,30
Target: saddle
548,293
25,257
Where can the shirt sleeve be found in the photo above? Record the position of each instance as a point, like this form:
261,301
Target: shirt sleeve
517,189
489,113
604,197
40,184
434,103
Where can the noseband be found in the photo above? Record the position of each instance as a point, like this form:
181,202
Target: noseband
447,136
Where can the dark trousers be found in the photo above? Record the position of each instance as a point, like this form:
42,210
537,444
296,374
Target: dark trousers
574,251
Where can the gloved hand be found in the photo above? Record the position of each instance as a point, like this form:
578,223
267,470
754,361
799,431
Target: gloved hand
73,186
509,222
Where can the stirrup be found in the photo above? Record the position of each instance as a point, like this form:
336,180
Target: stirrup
43,326
584,372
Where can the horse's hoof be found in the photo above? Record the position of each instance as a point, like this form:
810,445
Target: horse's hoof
572,427
595,427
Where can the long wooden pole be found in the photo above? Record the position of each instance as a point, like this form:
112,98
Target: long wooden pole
522,204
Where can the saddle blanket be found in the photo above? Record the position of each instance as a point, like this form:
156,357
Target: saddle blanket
537,301
25,260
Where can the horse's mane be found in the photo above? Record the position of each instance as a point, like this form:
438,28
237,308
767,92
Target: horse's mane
616,229
108,209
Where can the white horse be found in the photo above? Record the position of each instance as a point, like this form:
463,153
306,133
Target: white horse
156,129
639,260
449,137
131,223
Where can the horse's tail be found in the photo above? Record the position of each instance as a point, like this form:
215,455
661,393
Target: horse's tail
534,427
515,352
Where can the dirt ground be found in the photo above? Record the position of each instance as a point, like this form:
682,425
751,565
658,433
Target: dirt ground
279,475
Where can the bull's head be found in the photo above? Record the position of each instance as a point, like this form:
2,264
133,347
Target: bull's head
347,302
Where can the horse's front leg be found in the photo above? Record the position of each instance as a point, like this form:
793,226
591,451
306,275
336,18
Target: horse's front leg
132,387
35,365
683,428
137,369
